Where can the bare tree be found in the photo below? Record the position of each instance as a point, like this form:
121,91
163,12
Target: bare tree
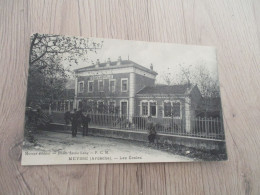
181,76
208,86
44,46
198,75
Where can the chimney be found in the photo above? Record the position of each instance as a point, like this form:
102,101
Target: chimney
97,63
108,62
151,66
119,60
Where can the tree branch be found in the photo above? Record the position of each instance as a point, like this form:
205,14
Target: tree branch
31,47
36,59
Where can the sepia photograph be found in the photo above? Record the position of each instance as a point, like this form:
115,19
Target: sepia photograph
95,101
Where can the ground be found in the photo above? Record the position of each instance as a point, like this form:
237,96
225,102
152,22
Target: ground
120,150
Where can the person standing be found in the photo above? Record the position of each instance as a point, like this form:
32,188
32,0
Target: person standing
85,121
151,130
74,123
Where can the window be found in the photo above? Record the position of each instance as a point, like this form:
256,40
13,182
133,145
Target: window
152,109
81,86
148,108
100,106
67,105
123,107
176,106
112,85
58,106
71,105
90,106
101,85
145,108
80,104
167,109
111,106
124,85
90,86
172,109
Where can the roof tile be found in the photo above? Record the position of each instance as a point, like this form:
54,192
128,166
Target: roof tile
165,89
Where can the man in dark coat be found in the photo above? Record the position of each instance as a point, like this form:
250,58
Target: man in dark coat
75,122
85,121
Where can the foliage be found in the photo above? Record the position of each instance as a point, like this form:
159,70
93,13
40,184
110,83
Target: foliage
28,133
208,86
47,73
47,46
34,119
198,75
205,80
46,83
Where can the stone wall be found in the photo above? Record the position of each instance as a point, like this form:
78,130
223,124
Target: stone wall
192,142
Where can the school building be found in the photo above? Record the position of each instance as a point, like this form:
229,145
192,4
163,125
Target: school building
126,88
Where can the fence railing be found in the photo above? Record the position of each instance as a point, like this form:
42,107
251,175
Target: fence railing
200,127
211,128
208,127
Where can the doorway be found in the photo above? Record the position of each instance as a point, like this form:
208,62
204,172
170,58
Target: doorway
124,108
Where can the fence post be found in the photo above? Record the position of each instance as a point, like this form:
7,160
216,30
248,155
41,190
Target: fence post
199,125
217,127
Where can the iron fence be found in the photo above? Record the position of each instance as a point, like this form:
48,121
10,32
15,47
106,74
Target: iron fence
202,127
199,127
208,127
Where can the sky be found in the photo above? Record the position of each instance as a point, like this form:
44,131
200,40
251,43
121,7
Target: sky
165,57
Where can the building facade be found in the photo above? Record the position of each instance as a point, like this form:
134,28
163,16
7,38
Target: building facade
128,89
175,103
65,101
111,85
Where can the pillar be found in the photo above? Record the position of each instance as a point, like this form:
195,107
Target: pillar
49,109
68,105
131,96
76,93
188,114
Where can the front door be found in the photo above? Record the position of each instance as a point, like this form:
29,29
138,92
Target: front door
123,108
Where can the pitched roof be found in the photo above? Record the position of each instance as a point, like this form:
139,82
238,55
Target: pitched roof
165,89
124,63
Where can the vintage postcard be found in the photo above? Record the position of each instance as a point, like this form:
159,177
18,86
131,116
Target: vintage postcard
95,100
